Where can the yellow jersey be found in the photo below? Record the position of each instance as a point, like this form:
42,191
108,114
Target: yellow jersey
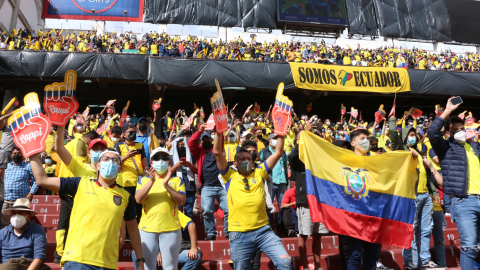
247,209
95,222
129,171
230,150
160,212
49,143
473,171
49,169
78,149
422,176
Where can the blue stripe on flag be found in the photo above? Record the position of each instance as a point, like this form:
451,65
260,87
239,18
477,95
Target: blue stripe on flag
376,204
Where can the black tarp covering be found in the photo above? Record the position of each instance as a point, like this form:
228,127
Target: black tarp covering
361,17
427,20
227,13
202,73
229,73
87,65
464,15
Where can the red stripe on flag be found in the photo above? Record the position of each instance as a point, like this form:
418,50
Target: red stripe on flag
378,230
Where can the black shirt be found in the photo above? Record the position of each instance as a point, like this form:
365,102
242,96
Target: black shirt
210,170
298,175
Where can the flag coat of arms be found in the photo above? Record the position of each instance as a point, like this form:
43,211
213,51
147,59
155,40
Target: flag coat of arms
371,198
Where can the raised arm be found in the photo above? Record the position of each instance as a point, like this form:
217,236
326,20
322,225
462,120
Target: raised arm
222,163
273,159
60,146
51,183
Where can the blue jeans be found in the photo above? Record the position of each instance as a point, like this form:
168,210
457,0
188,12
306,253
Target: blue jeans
245,244
356,248
188,210
466,214
278,190
422,231
70,265
188,264
439,225
447,202
209,194
166,134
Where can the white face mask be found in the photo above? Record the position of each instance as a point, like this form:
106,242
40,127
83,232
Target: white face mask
274,143
18,221
461,136
115,140
364,144
128,120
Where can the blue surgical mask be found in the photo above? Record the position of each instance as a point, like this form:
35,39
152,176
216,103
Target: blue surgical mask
232,139
411,141
378,133
160,166
108,169
48,161
95,156
260,119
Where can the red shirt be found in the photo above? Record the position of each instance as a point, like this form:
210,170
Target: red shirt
289,197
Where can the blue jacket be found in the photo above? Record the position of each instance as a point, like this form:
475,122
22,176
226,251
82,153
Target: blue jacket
453,159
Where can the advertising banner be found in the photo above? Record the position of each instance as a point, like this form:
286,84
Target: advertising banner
350,78
103,10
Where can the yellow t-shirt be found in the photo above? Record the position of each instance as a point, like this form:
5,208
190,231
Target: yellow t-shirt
50,170
142,50
160,210
49,143
96,218
473,171
129,171
422,181
184,220
247,209
73,147
230,150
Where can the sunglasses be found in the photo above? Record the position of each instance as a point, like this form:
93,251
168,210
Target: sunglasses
246,186
164,158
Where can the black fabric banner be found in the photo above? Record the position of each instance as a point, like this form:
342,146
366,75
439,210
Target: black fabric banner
202,73
464,16
361,17
227,13
87,65
427,20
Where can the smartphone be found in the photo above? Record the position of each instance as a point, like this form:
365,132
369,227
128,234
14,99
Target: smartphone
183,159
456,100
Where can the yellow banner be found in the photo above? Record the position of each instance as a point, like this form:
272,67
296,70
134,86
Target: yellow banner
350,78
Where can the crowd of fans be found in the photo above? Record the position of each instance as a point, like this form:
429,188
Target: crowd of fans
155,182
164,45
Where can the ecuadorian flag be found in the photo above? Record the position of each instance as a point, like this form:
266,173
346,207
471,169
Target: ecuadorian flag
370,198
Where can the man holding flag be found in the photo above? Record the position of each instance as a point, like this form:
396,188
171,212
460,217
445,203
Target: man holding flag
359,196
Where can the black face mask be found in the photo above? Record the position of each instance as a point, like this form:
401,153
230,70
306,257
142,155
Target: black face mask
168,115
254,156
142,126
182,151
207,145
259,136
17,158
132,136
374,148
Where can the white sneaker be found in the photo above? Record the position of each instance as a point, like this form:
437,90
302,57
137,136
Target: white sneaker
380,266
431,266
447,214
